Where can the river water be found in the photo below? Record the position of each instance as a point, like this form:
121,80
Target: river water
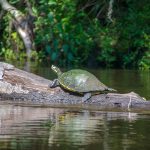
24,127
39,128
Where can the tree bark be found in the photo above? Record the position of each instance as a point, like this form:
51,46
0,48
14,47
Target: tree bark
19,86
21,24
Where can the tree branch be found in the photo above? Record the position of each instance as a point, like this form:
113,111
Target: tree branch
110,10
21,25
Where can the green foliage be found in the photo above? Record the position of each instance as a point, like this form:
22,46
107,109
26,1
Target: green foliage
61,32
106,41
7,53
133,26
70,36
11,45
78,32
145,61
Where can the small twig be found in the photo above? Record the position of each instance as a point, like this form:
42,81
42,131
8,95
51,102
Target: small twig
88,4
129,104
98,14
110,10
29,7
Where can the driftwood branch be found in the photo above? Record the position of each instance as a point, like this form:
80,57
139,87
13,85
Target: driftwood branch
19,86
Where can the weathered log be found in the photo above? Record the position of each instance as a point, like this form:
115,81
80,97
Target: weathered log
19,86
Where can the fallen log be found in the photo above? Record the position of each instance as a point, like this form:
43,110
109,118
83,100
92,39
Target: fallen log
19,86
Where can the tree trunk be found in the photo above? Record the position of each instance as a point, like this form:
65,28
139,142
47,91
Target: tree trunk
21,24
20,86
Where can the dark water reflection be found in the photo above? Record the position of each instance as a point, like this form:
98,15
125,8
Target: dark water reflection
39,128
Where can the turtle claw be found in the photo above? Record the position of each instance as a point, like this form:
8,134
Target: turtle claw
54,84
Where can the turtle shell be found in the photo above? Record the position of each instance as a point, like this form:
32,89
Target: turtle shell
81,81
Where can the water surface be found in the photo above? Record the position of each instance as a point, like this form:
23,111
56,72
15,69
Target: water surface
39,128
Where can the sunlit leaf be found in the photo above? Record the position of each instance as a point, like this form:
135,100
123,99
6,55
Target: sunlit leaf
34,10
52,3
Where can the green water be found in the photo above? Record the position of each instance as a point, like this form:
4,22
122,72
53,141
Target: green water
44,128
39,128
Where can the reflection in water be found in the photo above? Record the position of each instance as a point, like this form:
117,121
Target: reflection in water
126,81
37,128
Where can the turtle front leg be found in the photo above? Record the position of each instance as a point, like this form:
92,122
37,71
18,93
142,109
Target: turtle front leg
54,83
86,97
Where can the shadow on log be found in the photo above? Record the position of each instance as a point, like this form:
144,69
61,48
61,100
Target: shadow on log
18,86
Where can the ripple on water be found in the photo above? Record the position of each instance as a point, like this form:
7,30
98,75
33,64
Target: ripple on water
25,127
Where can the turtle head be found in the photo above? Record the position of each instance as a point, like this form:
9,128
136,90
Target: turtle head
56,70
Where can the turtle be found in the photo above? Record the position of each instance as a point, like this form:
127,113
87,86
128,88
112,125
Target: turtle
79,81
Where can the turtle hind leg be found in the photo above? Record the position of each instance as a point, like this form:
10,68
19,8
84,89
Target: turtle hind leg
54,83
86,97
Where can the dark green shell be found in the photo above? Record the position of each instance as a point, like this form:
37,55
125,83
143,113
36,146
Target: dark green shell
81,81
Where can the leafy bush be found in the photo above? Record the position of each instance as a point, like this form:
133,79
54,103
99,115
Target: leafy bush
63,34
79,33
